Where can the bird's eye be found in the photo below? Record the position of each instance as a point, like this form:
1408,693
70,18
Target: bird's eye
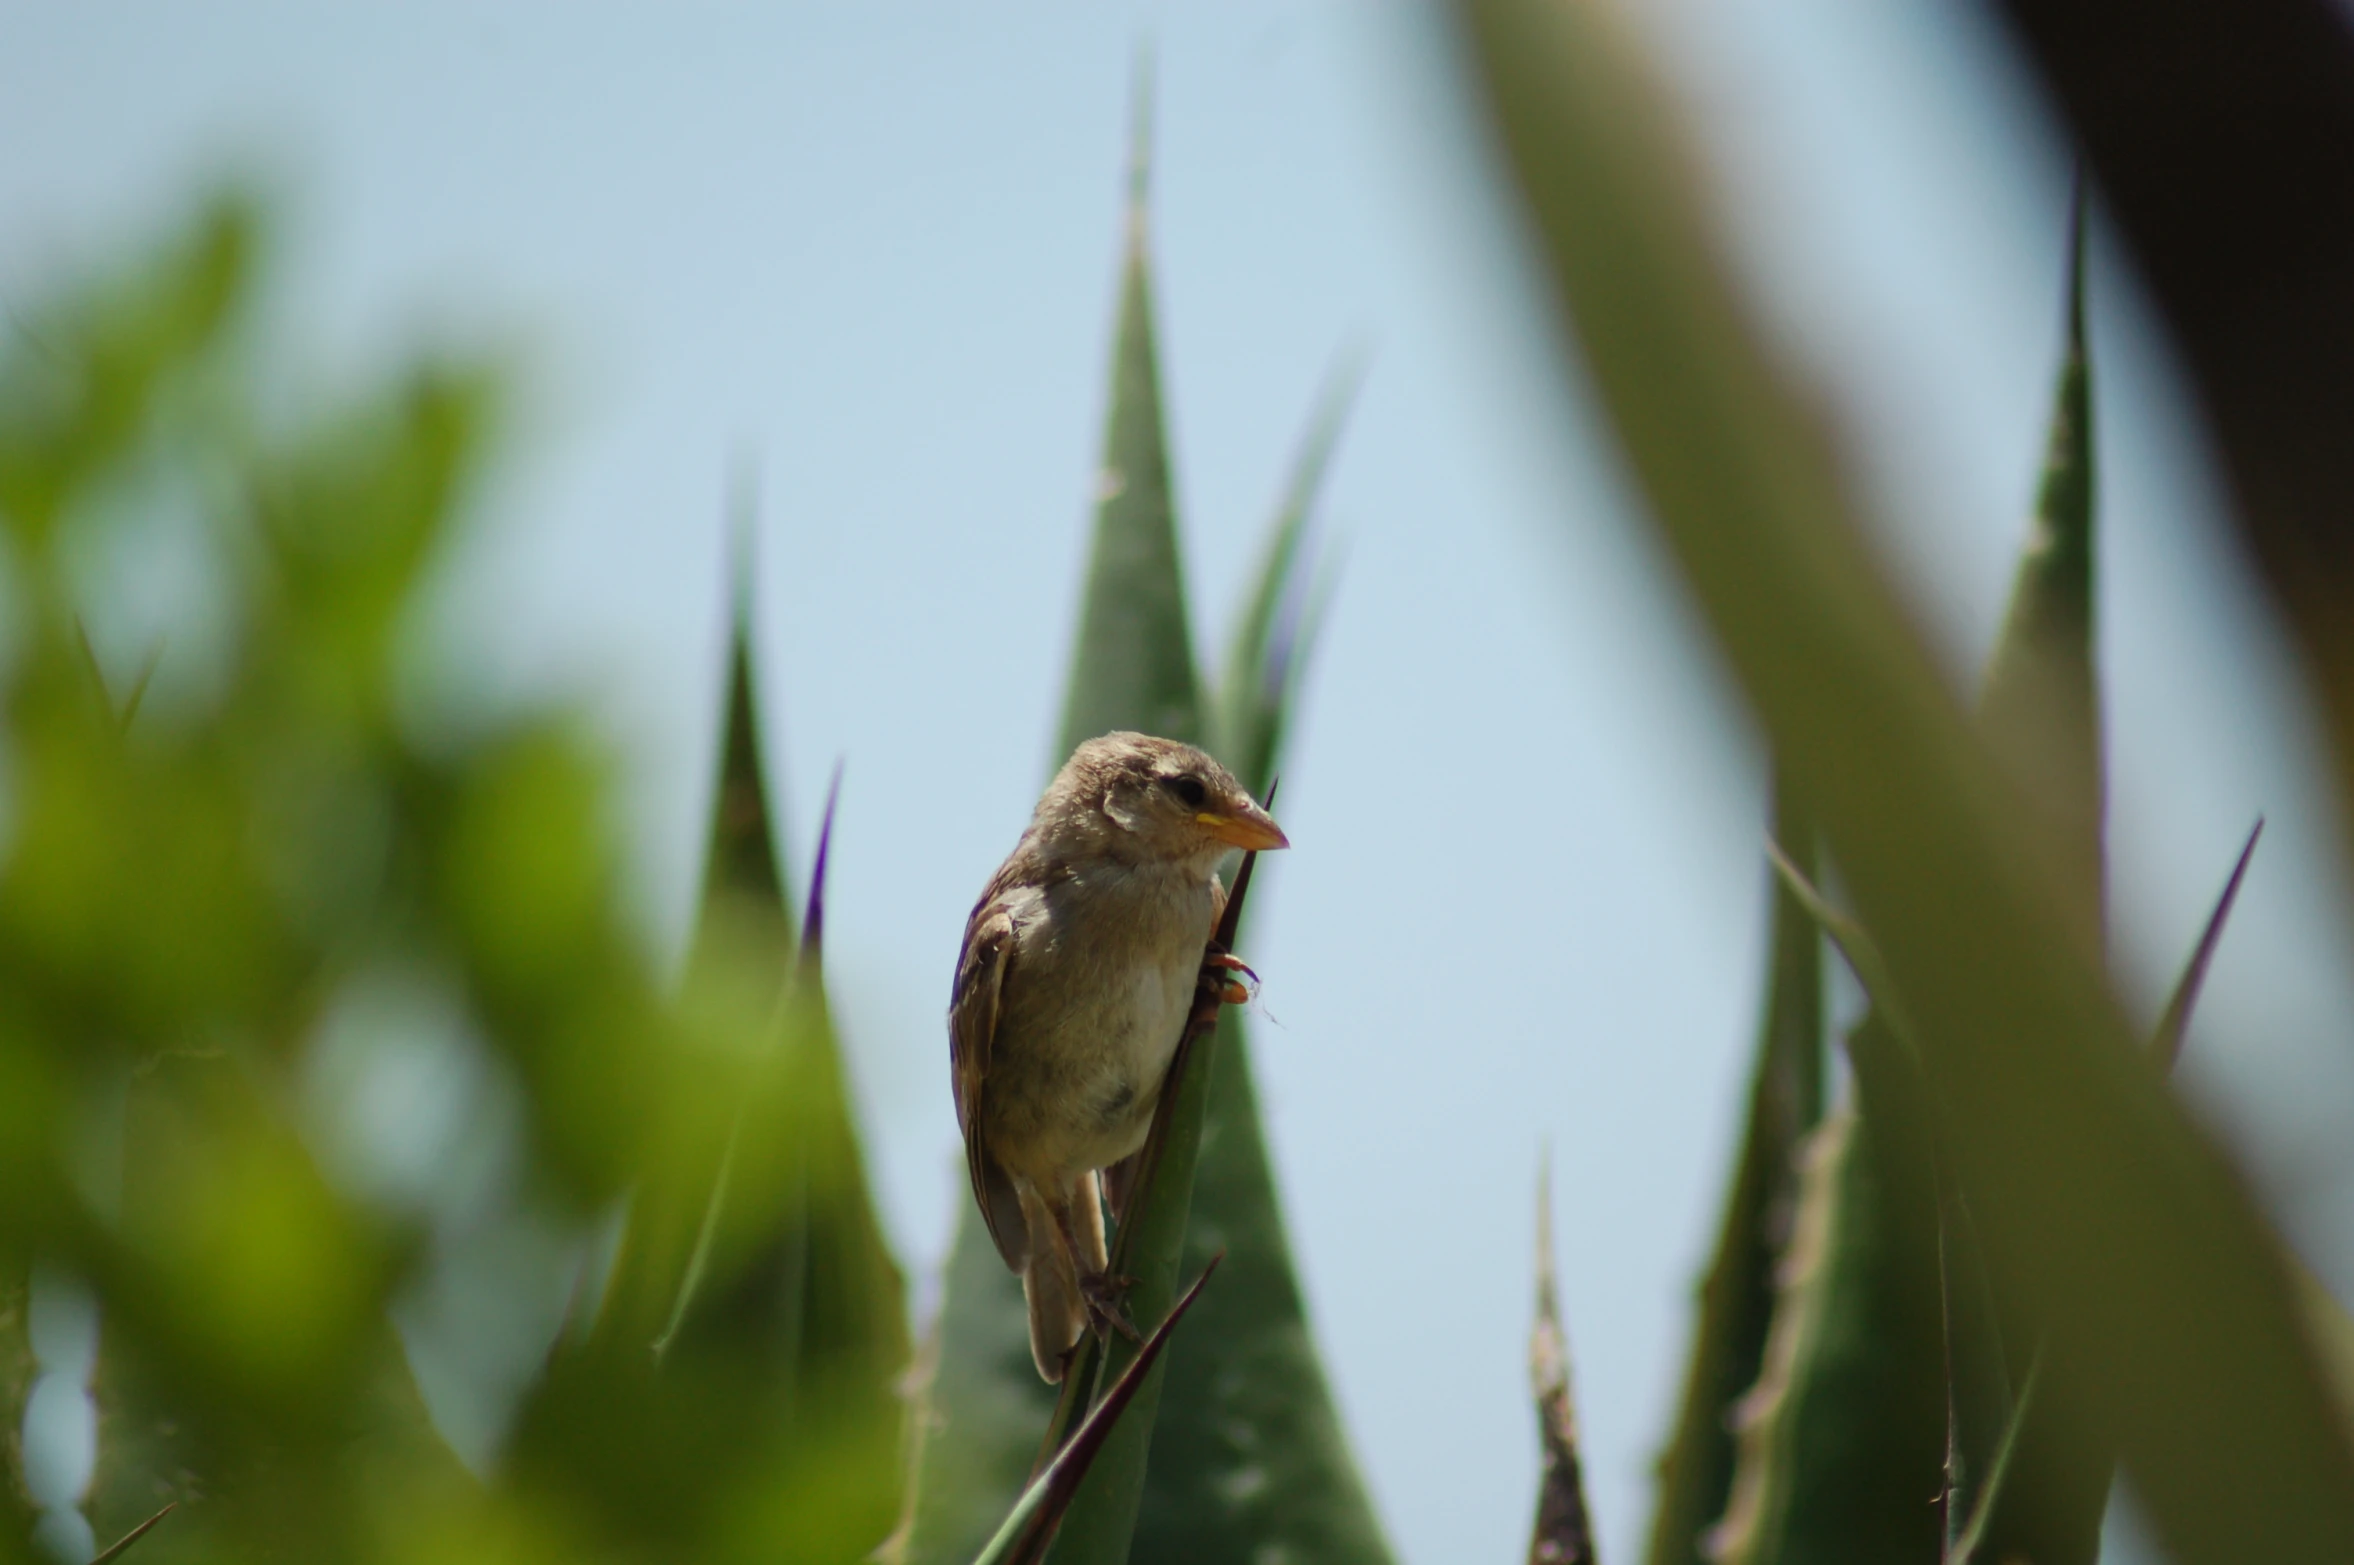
1188,789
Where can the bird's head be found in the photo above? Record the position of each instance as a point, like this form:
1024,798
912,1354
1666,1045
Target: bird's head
1144,799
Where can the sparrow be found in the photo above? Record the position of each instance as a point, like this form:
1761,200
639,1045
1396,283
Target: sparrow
1080,964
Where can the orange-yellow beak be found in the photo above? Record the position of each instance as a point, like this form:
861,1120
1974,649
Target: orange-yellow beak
1245,827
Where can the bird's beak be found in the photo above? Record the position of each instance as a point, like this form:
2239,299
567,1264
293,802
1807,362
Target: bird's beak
1247,826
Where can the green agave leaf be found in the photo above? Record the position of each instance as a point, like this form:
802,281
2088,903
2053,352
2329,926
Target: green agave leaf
1133,665
1825,1353
1030,1528
1738,1290
1132,668
1563,1534
2109,1216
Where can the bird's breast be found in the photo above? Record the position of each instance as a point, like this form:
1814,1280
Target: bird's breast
1103,978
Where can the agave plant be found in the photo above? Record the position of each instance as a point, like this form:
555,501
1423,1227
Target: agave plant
1945,1306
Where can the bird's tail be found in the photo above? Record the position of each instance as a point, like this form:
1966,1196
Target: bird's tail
1057,1314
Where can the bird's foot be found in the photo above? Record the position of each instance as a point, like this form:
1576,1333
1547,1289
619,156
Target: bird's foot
1217,968
1106,1296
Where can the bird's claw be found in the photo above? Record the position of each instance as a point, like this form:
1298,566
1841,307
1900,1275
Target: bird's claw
1105,1295
1216,965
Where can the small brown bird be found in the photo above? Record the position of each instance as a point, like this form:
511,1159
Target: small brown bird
1080,963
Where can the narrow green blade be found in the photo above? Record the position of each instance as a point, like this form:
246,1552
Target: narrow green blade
1030,1528
1737,1293
2108,1214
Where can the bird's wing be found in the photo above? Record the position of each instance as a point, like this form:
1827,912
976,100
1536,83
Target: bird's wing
972,1030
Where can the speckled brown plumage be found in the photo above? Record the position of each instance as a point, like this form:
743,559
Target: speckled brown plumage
1080,962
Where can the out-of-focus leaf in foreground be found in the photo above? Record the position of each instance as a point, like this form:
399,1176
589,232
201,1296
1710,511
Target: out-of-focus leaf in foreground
1737,1293
188,904
2110,1219
754,1297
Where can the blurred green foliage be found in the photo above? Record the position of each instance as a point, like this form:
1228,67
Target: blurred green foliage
190,897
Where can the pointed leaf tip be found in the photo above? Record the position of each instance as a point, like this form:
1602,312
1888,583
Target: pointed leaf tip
813,921
116,1550
1563,1534
2175,1024
1030,1529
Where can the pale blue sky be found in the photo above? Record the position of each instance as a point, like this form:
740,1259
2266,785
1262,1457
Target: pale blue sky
869,253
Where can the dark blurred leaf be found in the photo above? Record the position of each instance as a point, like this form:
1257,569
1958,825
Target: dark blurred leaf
1563,1535
2218,139
1737,1294
2108,1215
